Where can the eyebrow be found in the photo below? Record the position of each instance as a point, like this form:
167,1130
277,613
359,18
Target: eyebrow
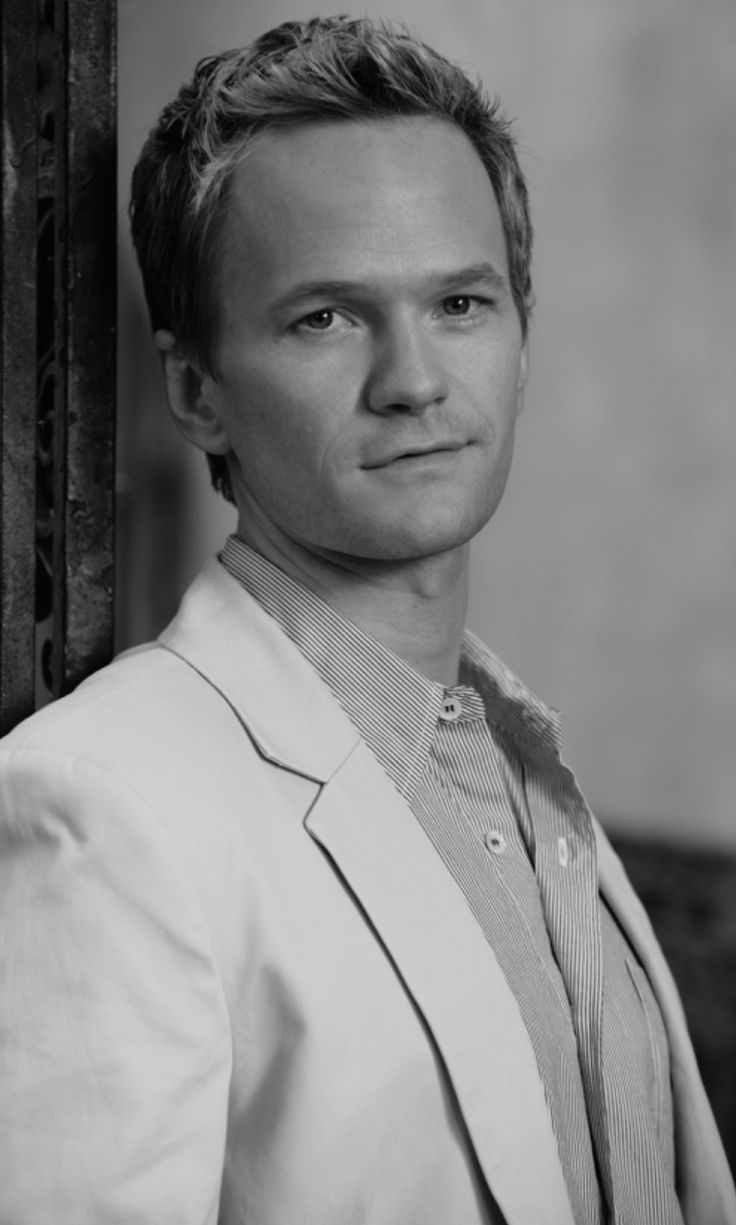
474,274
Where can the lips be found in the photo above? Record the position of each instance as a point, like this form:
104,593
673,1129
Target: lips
411,452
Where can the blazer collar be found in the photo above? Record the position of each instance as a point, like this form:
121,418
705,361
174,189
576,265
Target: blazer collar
417,910
428,931
225,635
705,1184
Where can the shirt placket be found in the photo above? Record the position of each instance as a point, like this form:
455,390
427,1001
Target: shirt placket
566,868
515,922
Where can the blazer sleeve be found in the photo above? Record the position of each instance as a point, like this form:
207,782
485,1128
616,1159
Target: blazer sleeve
115,1050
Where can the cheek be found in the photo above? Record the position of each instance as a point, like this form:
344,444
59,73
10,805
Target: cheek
500,400
257,416
280,435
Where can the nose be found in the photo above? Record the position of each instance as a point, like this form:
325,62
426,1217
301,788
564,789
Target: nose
407,374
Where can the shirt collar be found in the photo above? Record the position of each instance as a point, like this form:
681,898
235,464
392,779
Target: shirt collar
509,704
394,708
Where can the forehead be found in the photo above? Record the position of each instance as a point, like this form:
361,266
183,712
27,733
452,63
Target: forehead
359,198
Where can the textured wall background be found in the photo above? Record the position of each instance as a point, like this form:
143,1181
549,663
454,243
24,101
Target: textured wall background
608,577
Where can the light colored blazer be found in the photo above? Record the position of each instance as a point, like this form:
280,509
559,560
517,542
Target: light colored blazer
236,982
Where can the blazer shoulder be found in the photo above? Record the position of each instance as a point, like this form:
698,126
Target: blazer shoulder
138,693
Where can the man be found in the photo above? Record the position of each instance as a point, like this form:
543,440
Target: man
304,921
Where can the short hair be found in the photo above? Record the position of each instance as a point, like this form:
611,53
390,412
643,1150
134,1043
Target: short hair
325,69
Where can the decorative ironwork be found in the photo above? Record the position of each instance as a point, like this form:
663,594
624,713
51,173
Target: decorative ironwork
51,332
17,358
57,368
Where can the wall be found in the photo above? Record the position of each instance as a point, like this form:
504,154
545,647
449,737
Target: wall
608,577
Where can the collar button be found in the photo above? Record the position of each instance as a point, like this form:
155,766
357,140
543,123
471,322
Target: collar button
450,710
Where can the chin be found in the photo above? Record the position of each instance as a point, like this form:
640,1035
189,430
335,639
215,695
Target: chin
408,543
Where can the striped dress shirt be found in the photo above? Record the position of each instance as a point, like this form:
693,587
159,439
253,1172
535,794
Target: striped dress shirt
479,766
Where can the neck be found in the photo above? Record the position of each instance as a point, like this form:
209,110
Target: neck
414,608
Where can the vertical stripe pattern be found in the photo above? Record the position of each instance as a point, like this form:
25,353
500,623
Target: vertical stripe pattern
479,767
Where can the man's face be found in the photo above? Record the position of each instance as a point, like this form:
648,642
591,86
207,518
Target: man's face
370,364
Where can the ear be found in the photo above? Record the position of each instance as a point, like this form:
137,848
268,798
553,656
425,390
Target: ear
191,397
523,376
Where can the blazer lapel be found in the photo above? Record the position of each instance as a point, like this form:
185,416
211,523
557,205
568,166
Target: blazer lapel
704,1180
394,874
421,918
225,635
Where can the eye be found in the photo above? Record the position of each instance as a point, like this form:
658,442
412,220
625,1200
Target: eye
458,304
318,321
465,309
326,321
465,305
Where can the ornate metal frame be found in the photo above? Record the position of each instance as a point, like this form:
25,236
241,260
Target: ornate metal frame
57,346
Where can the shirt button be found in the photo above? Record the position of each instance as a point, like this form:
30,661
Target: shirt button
451,710
495,841
563,852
